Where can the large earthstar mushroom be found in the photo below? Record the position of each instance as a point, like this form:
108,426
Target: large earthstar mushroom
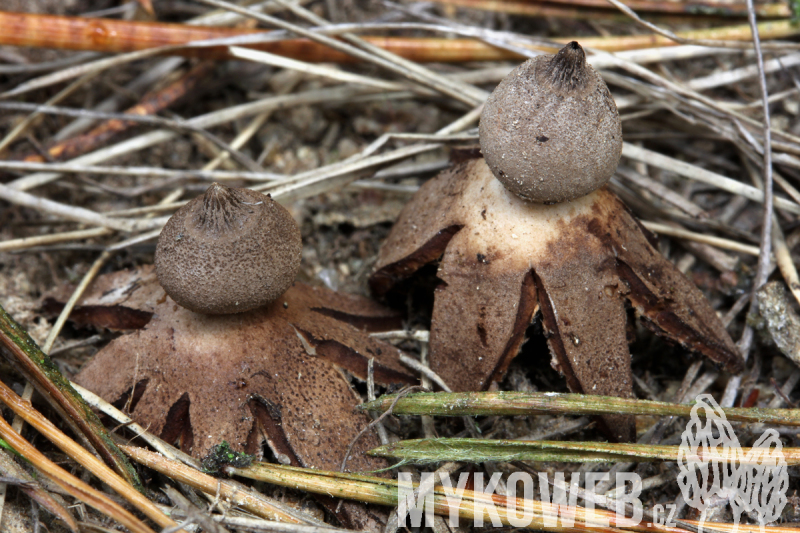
532,229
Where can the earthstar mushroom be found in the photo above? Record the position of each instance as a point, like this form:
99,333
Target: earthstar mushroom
579,264
248,357
228,251
279,374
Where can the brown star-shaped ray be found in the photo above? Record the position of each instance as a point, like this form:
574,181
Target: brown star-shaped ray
580,263
278,374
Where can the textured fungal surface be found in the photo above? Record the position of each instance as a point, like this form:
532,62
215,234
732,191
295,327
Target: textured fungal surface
279,374
550,131
199,379
578,263
228,251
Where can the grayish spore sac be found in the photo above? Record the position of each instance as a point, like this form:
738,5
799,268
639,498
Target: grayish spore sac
550,131
228,251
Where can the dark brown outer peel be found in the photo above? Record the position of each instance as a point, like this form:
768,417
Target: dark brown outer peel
223,361
583,313
422,231
135,292
136,288
581,272
318,314
216,368
470,353
480,315
357,311
669,303
247,377
488,298
116,318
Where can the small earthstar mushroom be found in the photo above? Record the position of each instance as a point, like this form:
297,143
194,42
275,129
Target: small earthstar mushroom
228,251
550,133
282,374
278,371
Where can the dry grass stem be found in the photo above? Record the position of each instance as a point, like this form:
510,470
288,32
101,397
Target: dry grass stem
255,524
53,238
314,70
725,244
121,418
9,469
20,128
763,268
425,371
73,299
155,172
82,457
412,70
663,192
137,239
261,505
783,258
729,77
674,37
380,490
72,485
702,175
231,492
417,335
315,182
208,120
532,9
73,213
511,403
461,92
427,451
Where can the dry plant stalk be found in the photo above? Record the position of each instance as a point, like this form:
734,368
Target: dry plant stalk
230,492
109,35
26,483
80,455
23,354
717,9
513,403
73,485
380,490
426,451
150,104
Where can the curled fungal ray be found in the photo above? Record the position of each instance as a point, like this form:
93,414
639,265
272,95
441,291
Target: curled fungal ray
579,263
279,374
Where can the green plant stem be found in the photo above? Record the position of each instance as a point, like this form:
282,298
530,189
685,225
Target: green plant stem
385,492
24,355
533,403
479,450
